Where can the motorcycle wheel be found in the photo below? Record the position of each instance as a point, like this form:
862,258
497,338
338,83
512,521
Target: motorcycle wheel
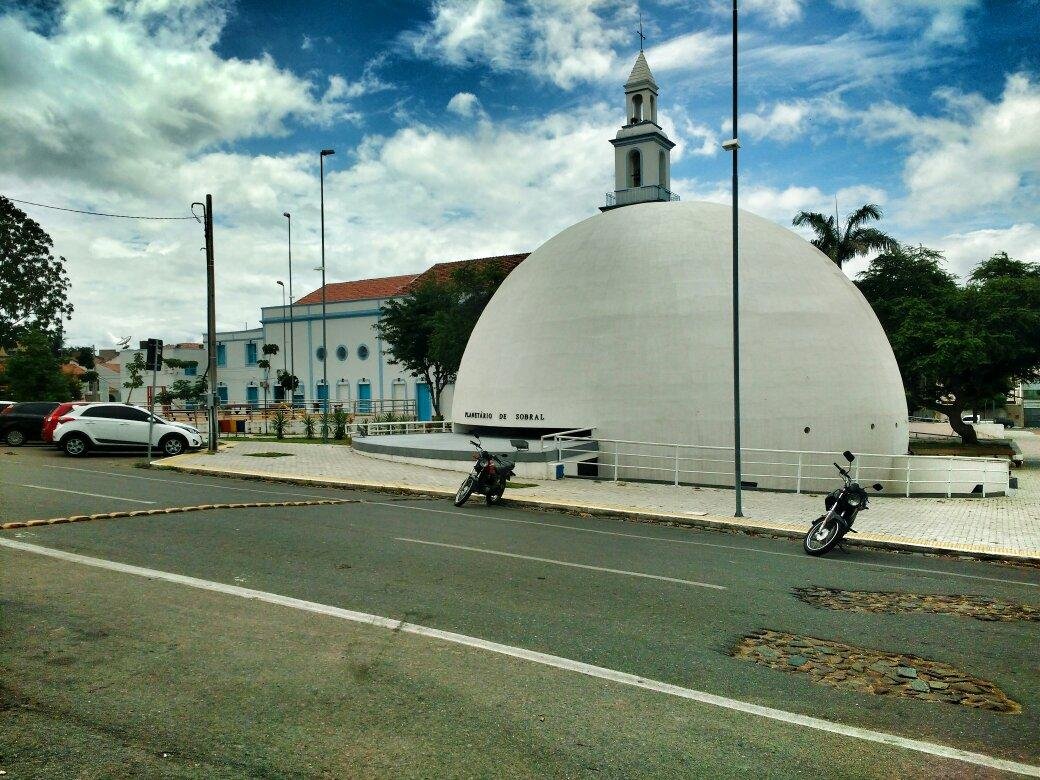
494,495
465,490
820,538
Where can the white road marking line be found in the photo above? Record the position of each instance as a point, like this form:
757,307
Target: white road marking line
545,659
95,495
563,563
188,482
800,556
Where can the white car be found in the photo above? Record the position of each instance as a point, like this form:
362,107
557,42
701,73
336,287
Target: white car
121,427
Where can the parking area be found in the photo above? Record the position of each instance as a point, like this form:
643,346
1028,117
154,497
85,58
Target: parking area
398,636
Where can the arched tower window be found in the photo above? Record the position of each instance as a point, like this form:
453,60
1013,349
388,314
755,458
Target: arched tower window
662,169
635,169
637,109
653,110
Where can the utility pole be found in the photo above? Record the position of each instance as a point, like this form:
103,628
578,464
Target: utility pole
292,351
733,145
324,337
211,326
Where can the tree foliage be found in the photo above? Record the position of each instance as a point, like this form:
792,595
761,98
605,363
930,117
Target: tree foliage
33,372
135,368
34,285
843,244
427,329
959,346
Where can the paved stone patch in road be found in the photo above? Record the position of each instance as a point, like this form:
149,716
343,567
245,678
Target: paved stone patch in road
978,607
871,671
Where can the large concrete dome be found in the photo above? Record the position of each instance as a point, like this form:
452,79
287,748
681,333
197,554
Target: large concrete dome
623,323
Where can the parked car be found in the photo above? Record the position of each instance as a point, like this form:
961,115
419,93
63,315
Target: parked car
23,422
4,405
51,421
114,426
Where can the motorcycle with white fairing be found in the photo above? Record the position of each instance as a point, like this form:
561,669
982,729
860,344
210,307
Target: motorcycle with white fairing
842,505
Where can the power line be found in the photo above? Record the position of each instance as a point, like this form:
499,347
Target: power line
92,213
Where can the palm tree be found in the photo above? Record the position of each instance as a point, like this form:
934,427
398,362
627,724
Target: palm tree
855,240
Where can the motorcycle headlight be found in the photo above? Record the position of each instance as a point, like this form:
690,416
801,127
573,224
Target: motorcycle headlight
855,500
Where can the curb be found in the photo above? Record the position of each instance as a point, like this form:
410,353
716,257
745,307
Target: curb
706,521
165,511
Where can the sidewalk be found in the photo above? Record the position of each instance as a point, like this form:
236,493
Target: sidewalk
1007,527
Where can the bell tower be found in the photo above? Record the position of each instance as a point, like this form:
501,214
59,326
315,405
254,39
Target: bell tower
642,151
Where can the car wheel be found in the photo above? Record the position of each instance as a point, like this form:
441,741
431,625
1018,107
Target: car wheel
14,438
173,445
75,444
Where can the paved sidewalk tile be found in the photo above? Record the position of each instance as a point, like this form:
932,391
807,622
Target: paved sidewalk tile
1001,526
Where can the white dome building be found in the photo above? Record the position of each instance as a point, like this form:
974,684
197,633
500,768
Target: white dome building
623,323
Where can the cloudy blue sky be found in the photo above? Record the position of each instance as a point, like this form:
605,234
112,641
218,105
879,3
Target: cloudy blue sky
466,128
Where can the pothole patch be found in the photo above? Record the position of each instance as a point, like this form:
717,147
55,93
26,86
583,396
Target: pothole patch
978,607
871,671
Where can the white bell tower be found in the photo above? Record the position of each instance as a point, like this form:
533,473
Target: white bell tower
642,151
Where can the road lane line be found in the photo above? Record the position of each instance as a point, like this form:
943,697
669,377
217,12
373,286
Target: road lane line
563,563
188,482
800,556
544,659
82,493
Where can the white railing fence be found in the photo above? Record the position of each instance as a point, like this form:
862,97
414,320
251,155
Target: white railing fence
408,426
792,470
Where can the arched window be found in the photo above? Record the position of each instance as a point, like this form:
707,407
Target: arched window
341,352
637,109
362,352
653,109
662,169
635,169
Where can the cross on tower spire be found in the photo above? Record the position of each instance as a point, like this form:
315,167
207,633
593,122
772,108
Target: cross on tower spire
641,36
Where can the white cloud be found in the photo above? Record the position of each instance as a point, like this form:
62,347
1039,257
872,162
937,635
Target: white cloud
685,52
465,104
979,154
965,250
567,42
943,20
778,12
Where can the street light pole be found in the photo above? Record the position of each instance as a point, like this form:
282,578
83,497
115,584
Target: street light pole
733,145
292,351
324,339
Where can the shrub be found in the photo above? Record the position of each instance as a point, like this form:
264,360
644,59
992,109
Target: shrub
340,419
309,422
326,424
280,420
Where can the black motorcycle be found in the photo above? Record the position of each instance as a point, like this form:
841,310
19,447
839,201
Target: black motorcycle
490,474
842,507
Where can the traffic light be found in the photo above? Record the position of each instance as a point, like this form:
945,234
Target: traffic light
153,354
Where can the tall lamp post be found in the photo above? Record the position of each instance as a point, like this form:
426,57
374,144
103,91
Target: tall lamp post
292,351
324,340
733,145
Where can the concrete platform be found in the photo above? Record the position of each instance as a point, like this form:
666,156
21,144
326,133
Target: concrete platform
454,452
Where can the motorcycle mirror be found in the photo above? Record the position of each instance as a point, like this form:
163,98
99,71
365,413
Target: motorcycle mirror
474,443
878,486
520,444
849,456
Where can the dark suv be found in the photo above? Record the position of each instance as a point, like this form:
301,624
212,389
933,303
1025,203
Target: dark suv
23,422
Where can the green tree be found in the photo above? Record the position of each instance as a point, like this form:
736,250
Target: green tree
33,372
135,368
427,329
958,346
34,285
843,244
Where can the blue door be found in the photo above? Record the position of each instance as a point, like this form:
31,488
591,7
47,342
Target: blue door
253,395
423,401
364,398
323,395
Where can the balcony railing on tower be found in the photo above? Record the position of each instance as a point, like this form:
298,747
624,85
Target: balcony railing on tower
648,192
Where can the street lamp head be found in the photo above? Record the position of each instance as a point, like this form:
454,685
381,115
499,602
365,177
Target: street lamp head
286,214
327,152
280,283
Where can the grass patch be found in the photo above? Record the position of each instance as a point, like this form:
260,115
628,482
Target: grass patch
520,484
268,454
287,440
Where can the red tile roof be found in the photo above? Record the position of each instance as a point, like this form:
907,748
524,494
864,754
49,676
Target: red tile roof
389,286
361,290
442,271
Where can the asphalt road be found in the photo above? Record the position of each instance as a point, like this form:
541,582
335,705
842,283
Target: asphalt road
107,669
